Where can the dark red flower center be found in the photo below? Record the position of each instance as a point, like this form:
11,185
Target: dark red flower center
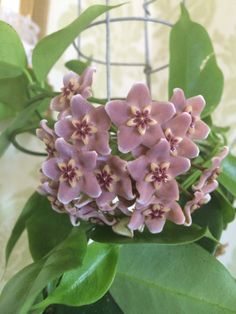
104,179
160,175
142,118
156,214
69,172
67,90
82,129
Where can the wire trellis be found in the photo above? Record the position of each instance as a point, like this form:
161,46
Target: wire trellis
148,69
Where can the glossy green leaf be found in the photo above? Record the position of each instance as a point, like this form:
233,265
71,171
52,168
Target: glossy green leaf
77,66
88,283
228,175
210,216
5,111
228,211
8,70
172,234
11,48
57,227
20,121
55,44
35,202
106,305
172,279
21,291
17,99
193,65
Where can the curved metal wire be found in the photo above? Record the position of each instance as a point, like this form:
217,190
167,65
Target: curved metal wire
148,69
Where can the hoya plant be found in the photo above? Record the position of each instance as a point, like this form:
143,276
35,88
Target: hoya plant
133,193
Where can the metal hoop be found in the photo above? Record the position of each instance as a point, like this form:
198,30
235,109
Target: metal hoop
147,67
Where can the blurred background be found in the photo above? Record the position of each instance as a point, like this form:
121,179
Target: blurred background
34,19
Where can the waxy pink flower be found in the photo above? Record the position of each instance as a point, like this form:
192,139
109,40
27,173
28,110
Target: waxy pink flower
154,215
200,198
87,126
73,171
155,173
207,182
91,212
206,185
175,131
73,85
198,130
138,118
114,180
48,136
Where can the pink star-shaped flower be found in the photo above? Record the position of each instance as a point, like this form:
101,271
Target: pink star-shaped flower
138,118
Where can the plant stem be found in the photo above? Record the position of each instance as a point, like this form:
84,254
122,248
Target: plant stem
25,150
187,193
199,167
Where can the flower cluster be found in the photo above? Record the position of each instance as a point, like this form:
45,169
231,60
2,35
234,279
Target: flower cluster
206,184
82,177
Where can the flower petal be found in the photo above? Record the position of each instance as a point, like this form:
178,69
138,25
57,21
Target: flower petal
188,149
162,111
139,95
87,160
180,124
197,103
50,169
160,152
155,225
178,166
146,191
100,143
66,193
56,104
136,221
105,197
66,150
68,76
201,130
64,128
178,99
100,118
118,111
90,185
152,135
128,139
168,191
86,80
138,168
80,107
176,214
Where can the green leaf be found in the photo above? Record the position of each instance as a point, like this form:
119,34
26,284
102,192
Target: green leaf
228,211
11,48
78,287
20,121
210,216
57,227
8,70
21,291
5,111
17,99
55,44
106,305
172,234
172,279
193,65
34,202
228,175
77,66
